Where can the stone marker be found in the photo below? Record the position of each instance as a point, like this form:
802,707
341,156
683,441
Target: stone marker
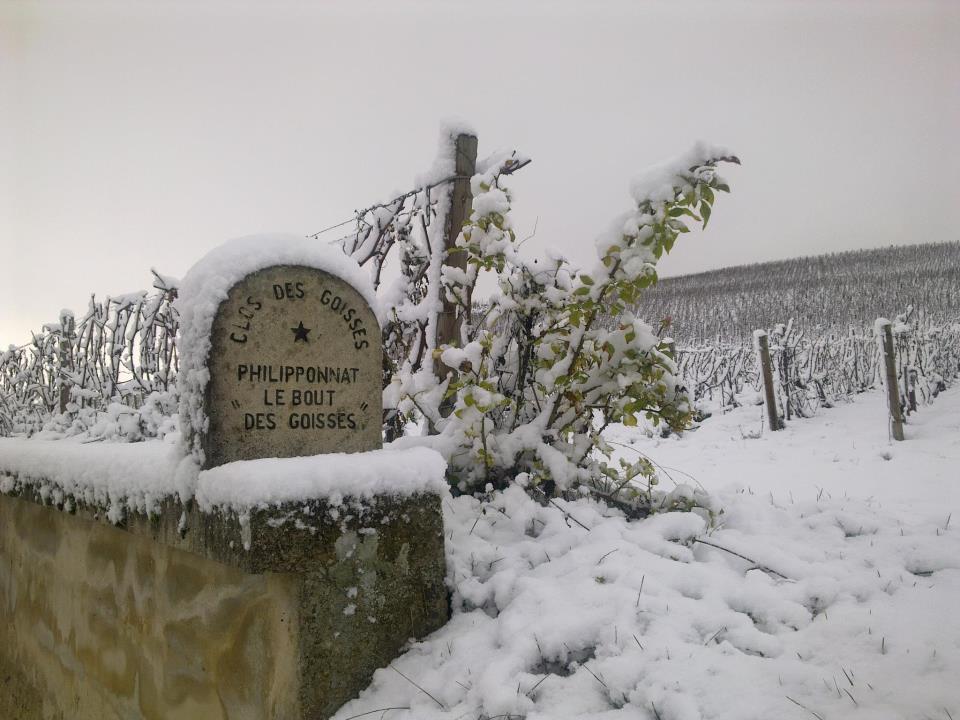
295,369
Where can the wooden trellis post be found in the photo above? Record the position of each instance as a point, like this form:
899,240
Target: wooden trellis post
893,389
770,398
449,319
65,350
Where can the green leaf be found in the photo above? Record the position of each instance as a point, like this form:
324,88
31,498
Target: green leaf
586,280
705,211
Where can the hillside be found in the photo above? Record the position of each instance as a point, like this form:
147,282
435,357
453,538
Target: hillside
823,294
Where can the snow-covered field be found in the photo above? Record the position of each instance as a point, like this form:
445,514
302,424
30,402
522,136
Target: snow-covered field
835,596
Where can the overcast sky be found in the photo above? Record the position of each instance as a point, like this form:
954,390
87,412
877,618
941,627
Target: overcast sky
143,134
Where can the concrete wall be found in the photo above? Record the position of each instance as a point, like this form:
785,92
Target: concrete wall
101,622
110,624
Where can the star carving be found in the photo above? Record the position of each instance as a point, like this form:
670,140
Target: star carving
300,333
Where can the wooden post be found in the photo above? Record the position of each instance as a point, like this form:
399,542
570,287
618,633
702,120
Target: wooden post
461,201
770,398
461,204
65,348
785,378
893,390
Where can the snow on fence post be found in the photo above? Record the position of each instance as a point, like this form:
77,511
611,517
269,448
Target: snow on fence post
461,202
65,351
770,398
885,332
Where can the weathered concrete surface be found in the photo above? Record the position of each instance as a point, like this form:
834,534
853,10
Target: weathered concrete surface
295,369
283,614
19,697
111,625
377,582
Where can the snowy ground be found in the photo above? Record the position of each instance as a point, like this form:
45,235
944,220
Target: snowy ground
845,608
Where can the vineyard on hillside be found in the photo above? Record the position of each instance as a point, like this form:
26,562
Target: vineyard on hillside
823,295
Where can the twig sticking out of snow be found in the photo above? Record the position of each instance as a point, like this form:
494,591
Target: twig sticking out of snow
383,710
527,693
417,687
743,557
607,555
713,637
566,516
816,715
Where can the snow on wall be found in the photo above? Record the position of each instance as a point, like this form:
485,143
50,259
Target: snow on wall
136,477
333,477
206,286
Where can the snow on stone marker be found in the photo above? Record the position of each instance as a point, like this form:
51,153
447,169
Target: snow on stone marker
295,368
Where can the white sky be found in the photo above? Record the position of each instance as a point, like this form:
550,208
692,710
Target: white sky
143,134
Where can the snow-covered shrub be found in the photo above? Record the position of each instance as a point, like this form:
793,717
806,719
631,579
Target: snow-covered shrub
537,373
